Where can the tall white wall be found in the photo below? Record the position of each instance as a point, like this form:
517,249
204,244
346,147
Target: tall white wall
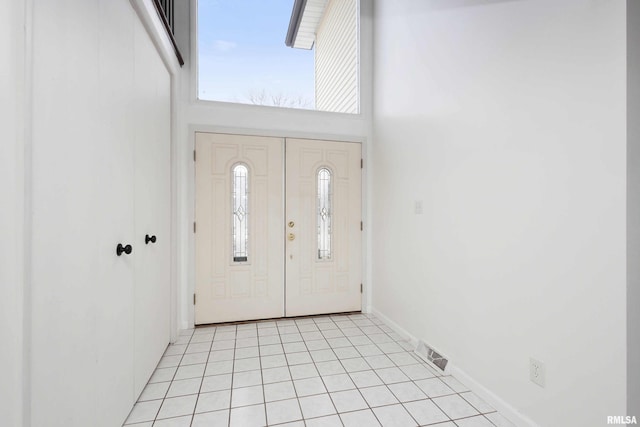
507,120
633,207
12,223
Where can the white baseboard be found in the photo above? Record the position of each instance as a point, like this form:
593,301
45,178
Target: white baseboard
505,409
393,325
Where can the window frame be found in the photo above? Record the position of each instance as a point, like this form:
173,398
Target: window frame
194,80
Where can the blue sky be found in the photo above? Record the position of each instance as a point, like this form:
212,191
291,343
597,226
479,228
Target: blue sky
242,51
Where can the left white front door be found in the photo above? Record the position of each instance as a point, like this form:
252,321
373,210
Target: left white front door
238,243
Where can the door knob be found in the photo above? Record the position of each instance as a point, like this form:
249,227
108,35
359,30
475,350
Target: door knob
291,237
148,239
126,249
291,224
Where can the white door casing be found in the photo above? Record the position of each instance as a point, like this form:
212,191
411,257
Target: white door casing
279,245
229,290
331,285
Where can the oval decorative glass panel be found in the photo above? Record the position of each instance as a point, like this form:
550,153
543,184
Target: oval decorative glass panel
324,213
240,215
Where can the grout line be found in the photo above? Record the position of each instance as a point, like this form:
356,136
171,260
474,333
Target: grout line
320,375
233,366
383,383
203,375
172,378
324,325
350,379
264,398
293,384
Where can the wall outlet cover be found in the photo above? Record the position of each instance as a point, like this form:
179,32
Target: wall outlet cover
418,207
537,372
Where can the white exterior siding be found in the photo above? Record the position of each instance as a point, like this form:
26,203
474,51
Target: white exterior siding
336,58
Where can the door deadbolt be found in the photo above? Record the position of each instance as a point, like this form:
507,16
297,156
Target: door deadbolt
291,224
291,236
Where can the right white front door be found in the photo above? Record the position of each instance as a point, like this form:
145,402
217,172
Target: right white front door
323,214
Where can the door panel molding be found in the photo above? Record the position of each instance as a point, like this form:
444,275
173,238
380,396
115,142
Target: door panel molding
229,290
316,286
283,275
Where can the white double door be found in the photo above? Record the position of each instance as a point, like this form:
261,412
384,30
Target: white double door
278,227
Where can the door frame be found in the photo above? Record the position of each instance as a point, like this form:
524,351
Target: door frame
191,191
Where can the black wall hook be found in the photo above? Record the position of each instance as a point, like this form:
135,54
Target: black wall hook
148,239
126,249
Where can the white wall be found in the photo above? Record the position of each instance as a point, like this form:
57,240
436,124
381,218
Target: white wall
336,58
12,223
633,208
507,119
208,116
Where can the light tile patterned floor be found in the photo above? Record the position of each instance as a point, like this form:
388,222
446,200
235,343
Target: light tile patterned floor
339,370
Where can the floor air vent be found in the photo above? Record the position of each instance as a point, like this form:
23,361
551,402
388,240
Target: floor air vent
429,354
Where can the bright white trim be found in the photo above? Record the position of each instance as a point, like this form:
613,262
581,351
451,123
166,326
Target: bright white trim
196,115
187,320
277,133
27,203
505,409
393,325
192,56
175,324
270,108
149,16
195,103
146,11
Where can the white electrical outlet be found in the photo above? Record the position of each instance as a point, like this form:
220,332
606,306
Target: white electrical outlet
418,207
537,371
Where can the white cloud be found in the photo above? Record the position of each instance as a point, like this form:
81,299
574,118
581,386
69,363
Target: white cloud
224,45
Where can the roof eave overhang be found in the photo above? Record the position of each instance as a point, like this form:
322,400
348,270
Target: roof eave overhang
294,22
306,17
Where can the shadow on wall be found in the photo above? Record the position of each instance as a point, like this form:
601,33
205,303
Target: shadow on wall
426,6
455,4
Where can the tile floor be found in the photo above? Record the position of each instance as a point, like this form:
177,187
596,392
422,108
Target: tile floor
339,370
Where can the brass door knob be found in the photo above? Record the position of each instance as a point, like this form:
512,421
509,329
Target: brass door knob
291,224
291,236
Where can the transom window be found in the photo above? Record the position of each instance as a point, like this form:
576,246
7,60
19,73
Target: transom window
283,53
